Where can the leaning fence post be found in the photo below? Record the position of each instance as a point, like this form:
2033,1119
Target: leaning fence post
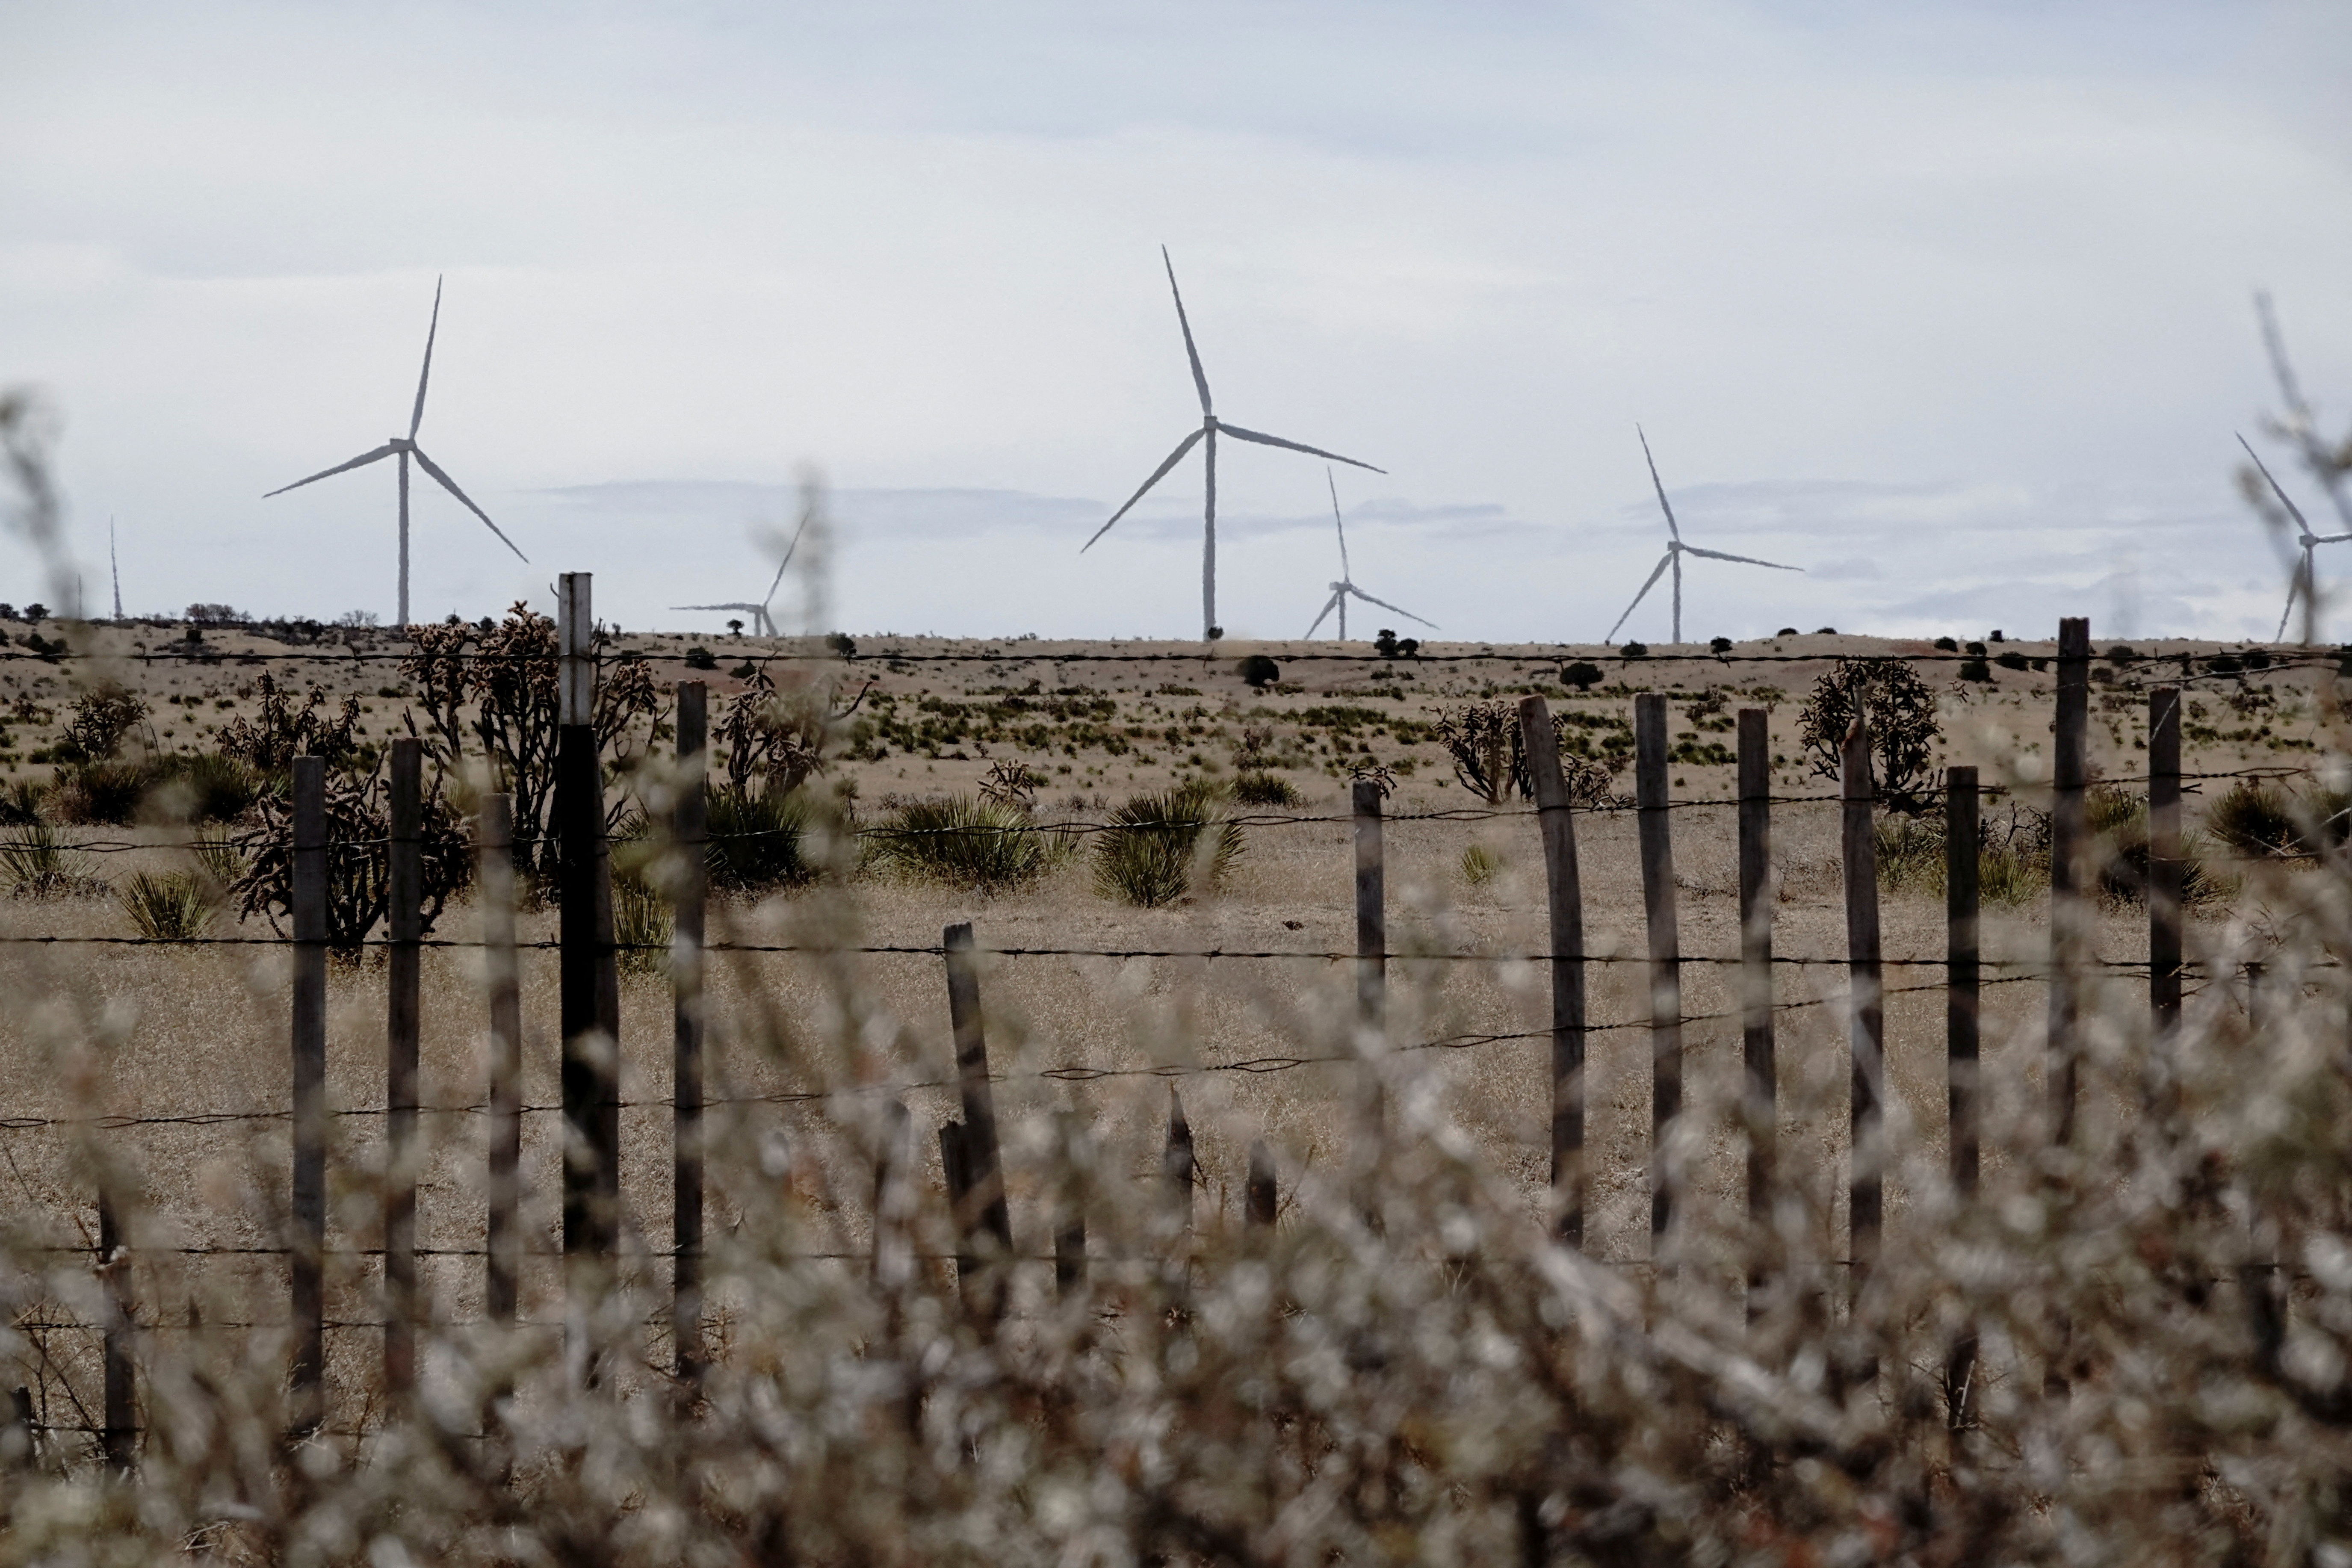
1760,1110
591,1052
494,837
1666,952
2163,864
1868,1038
119,1440
1564,901
405,918
2069,839
308,1208
1962,985
689,828
983,1206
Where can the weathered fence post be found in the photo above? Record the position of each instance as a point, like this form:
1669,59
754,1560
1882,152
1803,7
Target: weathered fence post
2069,840
689,826
1868,1046
981,1206
591,1047
1760,1107
308,1208
1564,901
119,1439
1372,926
494,841
405,918
1658,904
1962,986
2164,869
1075,1155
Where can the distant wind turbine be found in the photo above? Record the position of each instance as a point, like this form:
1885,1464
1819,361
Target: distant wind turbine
763,624
1346,584
1210,427
405,448
114,562
2305,581
1675,551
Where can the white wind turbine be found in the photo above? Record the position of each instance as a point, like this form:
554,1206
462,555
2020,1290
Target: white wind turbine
405,448
763,625
1210,427
1346,584
1675,551
2305,581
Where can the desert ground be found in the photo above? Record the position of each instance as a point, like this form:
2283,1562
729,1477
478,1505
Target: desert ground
200,1032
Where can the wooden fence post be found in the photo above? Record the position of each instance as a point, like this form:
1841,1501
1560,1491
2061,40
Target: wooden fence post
591,1049
2164,866
690,827
308,1208
1260,1197
494,841
982,1207
1564,901
1176,1163
1868,1040
2069,841
1658,904
119,1439
1962,987
405,918
1760,1110
1371,923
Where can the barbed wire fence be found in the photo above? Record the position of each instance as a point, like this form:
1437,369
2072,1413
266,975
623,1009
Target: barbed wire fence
588,950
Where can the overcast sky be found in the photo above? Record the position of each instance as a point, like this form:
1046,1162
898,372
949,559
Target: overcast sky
1946,303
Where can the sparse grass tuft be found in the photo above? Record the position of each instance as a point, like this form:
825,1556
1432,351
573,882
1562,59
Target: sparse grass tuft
171,907
1260,787
1158,845
964,841
222,860
1480,864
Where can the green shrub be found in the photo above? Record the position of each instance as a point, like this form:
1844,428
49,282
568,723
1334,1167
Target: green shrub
1259,787
1480,864
1900,710
21,801
103,792
756,838
642,927
1156,844
964,841
39,865
205,786
2117,819
1259,672
2013,868
170,908
700,658
1583,675
2255,818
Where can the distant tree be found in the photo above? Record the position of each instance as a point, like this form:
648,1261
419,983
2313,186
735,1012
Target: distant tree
1899,712
1258,671
700,658
356,618
1633,650
37,611
203,614
841,644
1583,675
1385,643
735,628
1719,645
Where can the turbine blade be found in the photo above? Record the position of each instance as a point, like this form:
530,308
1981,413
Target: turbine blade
417,416
1399,609
1655,573
430,467
1329,604
1238,434
2292,511
361,461
1158,474
714,606
1344,569
1200,377
1744,559
808,511
1658,485
2328,538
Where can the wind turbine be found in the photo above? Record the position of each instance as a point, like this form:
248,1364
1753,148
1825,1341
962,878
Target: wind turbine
1346,584
1210,427
1675,551
405,448
763,625
2304,581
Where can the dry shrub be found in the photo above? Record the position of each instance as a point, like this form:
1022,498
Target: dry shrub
1158,847
963,841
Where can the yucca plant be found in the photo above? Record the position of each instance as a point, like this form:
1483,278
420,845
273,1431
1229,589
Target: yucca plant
1480,864
1154,846
1259,786
171,907
39,864
2254,818
964,841
642,926
757,838
218,853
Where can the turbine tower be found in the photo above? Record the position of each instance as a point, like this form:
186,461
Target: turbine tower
2305,581
114,562
1346,584
1211,429
1675,551
763,625
405,448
